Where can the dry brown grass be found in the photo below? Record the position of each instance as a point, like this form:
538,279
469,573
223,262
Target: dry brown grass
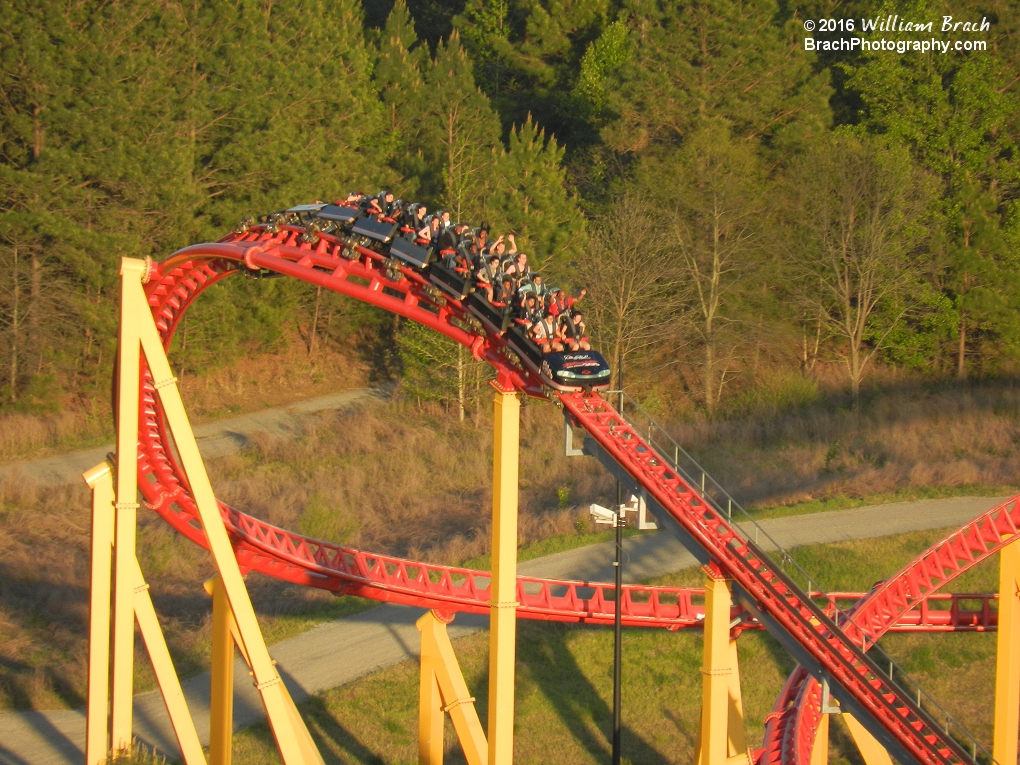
250,384
399,481
955,436
26,434
376,479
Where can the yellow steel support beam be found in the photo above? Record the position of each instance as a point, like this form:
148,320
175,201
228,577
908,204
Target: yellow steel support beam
1007,662
503,589
138,334
820,748
166,675
308,751
97,748
134,312
442,689
721,738
100,480
430,706
221,695
289,731
736,739
872,752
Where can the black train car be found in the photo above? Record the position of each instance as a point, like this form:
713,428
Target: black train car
566,371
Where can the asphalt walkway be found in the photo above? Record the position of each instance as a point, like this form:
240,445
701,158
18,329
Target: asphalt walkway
386,635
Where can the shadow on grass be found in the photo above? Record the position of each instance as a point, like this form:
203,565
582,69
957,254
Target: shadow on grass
336,744
577,702
57,741
330,734
780,655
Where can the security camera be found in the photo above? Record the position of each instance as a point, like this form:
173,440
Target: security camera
602,514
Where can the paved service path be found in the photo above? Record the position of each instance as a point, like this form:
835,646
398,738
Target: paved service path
338,652
215,439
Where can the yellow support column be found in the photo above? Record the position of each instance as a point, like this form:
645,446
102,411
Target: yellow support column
221,695
736,739
292,738
430,704
721,737
100,480
503,590
713,735
1007,662
820,748
166,675
872,752
454,697
133,314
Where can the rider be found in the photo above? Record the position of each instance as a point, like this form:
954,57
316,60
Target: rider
487,275
560,303
518,269
572,328
544,332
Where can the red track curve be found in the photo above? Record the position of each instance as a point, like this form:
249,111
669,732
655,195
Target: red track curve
765,590
790,732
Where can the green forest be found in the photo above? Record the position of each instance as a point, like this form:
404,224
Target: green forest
752,220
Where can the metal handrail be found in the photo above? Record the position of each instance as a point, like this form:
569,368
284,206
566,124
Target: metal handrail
710,490
698,478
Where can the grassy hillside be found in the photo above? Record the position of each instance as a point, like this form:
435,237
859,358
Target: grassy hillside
398,480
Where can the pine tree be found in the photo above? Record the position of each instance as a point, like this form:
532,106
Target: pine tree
301,118
439,370
603,57
401,84
461,130
530,198
527,54
956,115
88,119
704,60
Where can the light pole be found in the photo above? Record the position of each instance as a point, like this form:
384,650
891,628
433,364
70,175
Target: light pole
617,631
618,563
618,520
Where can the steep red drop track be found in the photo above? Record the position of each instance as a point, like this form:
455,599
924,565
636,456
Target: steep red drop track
790,614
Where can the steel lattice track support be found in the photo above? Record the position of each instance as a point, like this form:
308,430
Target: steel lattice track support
792,733
282,554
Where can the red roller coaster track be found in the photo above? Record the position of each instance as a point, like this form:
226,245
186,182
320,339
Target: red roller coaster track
790,733
819,635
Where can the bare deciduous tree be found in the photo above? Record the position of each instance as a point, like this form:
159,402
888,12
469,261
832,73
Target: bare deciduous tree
863,207
718,216
634,289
